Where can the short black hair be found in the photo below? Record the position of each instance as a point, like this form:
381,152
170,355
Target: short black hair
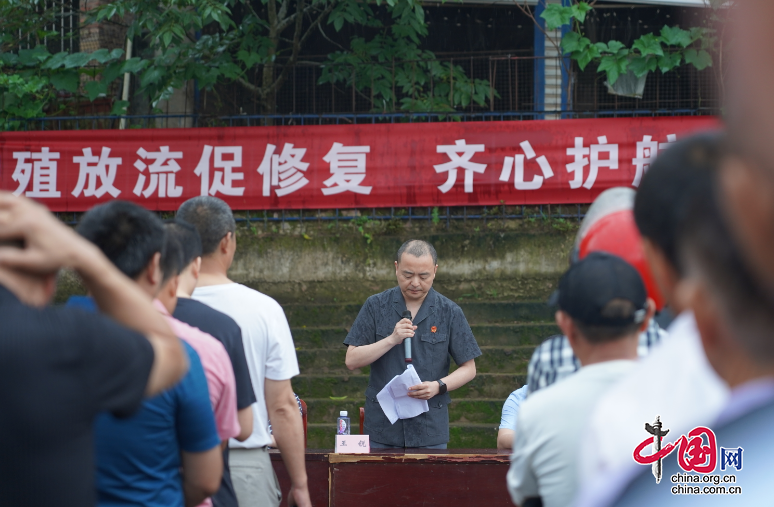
171,262
212,218
187,237
660,205
707,246
128,234
417,248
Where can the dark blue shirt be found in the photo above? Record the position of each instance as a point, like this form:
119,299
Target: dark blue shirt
224,329
227,331
59,368
138,458
442,332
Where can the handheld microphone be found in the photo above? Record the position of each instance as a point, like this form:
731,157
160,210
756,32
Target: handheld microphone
407,341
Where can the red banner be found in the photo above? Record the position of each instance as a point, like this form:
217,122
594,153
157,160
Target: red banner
340,166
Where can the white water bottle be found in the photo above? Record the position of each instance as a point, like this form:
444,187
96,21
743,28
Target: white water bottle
342,423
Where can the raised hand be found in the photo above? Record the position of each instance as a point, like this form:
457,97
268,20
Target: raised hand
47,244
403,329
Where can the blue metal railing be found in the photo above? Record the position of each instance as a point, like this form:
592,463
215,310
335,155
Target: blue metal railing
195,120
437,215
433,214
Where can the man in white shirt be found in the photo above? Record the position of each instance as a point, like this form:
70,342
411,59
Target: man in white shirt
603,306
675,382
271,359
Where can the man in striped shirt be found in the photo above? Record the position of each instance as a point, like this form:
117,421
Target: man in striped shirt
609,226
554,359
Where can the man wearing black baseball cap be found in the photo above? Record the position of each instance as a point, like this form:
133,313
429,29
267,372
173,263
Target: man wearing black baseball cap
603,306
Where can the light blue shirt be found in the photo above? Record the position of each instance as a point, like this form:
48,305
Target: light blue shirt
511,408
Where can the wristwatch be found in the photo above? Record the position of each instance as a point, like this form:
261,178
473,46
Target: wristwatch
442,387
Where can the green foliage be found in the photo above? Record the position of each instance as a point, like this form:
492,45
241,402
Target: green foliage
392,64
34,82
556,15
562,225
233,47
664,51
236,41
436,216
362,222
700,59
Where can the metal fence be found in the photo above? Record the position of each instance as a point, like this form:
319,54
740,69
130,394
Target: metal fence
509,79
511,95
511,87
443,215
99,122
58,21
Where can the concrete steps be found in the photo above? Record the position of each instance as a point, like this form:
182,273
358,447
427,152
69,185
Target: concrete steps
507,333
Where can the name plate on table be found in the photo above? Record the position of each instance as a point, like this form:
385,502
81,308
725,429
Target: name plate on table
353,444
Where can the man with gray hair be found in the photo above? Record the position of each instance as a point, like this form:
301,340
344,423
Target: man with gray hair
438,330
271,360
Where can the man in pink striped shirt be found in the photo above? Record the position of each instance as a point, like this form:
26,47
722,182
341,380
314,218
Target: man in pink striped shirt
215,360
217,368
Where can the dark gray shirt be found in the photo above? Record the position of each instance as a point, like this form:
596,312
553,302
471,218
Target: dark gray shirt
442,331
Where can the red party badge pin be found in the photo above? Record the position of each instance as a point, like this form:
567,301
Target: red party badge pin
433,329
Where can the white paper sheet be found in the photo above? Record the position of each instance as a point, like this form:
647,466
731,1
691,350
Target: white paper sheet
394,398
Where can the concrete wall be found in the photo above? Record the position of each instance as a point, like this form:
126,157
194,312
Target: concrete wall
341,264
346,268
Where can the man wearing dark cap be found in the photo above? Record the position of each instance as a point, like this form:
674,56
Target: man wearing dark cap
603,306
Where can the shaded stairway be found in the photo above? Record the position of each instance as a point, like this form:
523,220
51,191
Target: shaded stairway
507,333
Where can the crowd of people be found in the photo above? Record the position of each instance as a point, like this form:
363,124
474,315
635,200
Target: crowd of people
167,384
161,383
604,386
157,388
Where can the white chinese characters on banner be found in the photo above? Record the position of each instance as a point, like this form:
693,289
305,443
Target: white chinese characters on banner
42,173
224,177
348,169
460,155
92,168
590,156
288,169
162,172
647,149
285,170
518,161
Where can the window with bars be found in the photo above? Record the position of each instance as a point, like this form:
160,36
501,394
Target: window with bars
53,23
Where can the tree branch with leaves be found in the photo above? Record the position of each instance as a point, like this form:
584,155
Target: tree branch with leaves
664,51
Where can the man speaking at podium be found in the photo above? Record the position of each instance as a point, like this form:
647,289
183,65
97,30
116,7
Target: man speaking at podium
436,330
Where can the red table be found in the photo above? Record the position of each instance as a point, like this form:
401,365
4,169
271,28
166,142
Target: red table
448,478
